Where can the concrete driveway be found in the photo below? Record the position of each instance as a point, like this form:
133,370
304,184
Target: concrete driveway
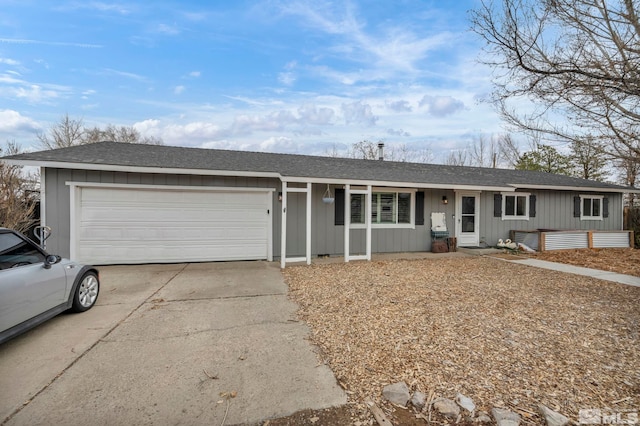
169,344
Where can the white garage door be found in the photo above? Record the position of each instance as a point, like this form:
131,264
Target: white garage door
123,225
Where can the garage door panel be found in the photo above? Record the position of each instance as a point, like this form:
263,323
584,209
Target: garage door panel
158,232
121,225
104,254
120,213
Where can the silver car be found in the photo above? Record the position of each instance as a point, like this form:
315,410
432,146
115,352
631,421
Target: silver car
36,286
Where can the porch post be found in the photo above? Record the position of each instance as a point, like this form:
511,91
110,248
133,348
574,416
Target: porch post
347,220
309,223
283,227
368,203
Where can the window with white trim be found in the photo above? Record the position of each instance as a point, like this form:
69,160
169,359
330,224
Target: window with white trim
591,207
388,209
515,206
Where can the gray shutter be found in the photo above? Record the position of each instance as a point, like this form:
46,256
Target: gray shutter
532,206
576,206
420,208
605,207
339,207
497,205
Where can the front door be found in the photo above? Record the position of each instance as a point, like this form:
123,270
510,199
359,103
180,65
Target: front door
467,218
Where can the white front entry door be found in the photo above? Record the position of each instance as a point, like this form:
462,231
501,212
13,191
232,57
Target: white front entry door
467,218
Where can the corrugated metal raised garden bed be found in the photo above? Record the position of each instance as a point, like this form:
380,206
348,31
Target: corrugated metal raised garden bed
551,239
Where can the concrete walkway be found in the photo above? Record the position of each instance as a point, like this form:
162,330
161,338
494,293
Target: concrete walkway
587,272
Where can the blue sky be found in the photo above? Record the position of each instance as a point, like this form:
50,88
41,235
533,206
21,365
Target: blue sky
280,76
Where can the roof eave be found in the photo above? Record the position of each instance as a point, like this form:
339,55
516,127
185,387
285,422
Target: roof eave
575,188
139,169
402,184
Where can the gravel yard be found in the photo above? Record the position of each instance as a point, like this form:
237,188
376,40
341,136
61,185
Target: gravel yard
505,335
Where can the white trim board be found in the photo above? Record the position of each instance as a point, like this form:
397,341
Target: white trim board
168,187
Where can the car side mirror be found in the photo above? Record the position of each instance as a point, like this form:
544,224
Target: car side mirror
51,259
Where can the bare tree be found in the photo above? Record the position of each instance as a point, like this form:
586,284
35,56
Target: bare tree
578,61
401,152
484,151
18,196
365,150
70,132
629,173
457,157
122,134
509,149
67,132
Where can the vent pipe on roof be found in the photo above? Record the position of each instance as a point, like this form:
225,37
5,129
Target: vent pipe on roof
380,151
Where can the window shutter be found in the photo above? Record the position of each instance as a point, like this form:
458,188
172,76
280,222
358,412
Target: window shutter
419,208
339,207
532,206
497,205
576,206
605,207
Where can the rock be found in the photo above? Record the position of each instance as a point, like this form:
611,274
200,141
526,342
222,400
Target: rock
553,418
447,408
397,393
418,400
505,417
465,402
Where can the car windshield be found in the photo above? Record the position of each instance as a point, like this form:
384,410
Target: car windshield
14,252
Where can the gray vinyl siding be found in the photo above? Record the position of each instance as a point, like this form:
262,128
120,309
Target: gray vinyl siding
57,195
328,239
554,210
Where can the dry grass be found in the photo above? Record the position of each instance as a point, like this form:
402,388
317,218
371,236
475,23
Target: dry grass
503,334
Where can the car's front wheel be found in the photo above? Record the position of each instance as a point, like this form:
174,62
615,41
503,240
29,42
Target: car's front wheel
86,293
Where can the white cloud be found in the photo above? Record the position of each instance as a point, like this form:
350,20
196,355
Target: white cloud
287,78
195,74
357,112
129,75
8,78
100,6
50,43
311,114
12,121
279,144
398,132
8,61
441,106
35,93
385,49
399,106
178,90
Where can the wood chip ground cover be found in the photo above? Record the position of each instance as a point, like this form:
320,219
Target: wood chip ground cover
505,335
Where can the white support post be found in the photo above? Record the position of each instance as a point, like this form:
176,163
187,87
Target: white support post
368,203
309,223
43,202
283,227
347,220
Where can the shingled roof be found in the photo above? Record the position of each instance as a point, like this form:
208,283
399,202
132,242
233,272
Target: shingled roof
110,155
